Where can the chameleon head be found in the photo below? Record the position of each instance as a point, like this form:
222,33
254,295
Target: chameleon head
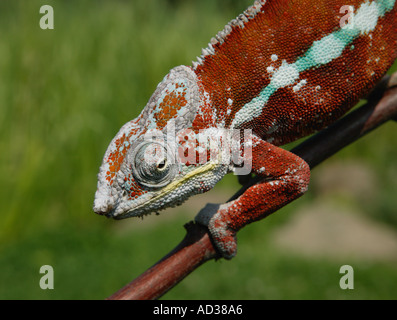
140,172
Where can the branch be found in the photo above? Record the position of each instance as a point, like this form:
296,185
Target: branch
196,248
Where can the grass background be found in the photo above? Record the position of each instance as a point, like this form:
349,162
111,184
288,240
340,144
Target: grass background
64,93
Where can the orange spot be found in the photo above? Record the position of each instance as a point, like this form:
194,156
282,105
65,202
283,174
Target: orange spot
169,107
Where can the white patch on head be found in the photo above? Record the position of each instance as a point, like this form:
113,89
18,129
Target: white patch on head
274,57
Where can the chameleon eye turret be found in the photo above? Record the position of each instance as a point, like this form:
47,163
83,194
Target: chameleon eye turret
282,69
153,165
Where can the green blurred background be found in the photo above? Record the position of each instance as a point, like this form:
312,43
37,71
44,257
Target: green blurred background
64,93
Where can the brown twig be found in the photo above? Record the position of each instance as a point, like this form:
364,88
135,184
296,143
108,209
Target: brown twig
196,248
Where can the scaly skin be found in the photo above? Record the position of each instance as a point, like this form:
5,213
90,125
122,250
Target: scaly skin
280,71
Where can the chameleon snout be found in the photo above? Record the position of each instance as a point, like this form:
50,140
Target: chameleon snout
104,207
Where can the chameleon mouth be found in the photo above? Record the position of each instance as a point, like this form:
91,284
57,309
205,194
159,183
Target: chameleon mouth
170,194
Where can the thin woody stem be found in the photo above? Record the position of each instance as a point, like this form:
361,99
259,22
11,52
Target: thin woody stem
196,248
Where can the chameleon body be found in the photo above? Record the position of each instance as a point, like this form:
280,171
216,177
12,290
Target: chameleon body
281,70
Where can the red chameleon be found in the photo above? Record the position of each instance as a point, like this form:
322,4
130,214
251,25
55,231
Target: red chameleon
281,70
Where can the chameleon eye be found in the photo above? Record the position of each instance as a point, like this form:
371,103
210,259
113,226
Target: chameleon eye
151,166
162,164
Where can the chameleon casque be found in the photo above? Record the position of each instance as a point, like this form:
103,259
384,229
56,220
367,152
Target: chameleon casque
282,70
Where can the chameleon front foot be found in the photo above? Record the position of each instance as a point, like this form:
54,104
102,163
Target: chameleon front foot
213,216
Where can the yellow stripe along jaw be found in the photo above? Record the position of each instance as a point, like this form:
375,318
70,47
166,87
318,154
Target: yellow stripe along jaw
210,166
197,180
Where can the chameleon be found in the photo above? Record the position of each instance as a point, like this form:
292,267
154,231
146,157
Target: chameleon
280,71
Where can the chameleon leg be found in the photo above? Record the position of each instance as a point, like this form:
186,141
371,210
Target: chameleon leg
286,177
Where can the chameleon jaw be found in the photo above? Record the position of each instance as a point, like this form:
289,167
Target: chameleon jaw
198,180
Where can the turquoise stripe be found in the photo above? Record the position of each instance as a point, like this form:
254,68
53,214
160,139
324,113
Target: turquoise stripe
320,53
